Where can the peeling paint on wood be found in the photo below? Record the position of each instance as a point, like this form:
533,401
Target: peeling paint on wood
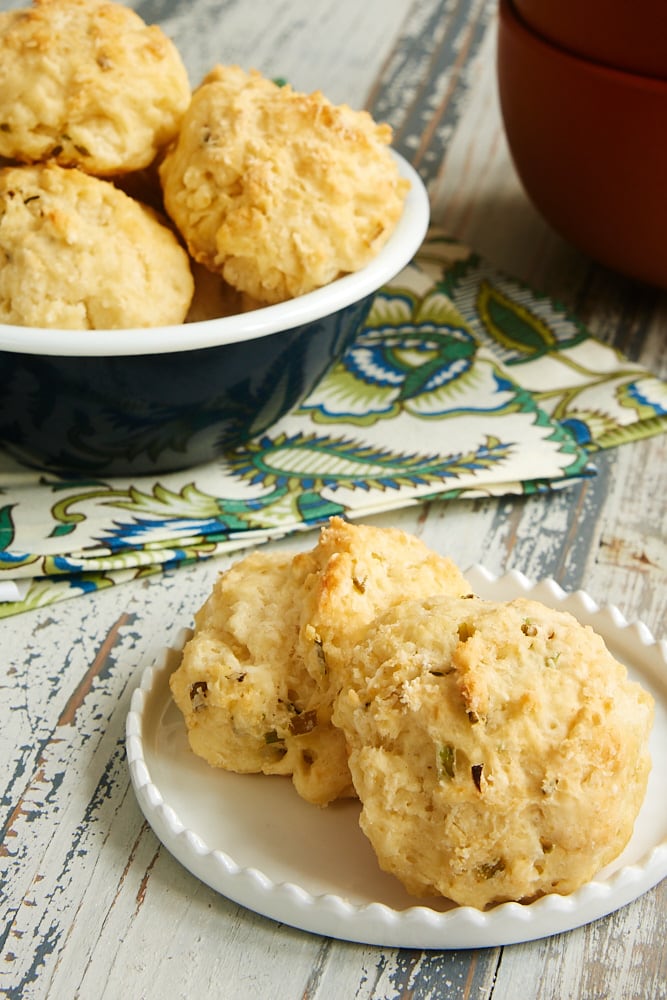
92,905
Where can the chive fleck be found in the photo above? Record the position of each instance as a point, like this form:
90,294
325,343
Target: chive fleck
447,760
198,694
303,722
489,869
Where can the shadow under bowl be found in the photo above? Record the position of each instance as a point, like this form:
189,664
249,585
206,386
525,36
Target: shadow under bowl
588,145
141,402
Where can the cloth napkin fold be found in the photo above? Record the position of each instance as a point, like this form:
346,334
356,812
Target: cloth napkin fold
462,383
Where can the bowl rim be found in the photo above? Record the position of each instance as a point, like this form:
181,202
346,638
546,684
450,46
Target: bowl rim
511,17
397,252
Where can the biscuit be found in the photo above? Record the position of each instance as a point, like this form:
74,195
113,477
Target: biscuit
354,573
87,83
279,192
213,298
248,702
259,624
76,253
499,750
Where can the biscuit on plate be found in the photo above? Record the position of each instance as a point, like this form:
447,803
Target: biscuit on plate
256,683
280,192
354,573
248,702
499,750
77,253
87,83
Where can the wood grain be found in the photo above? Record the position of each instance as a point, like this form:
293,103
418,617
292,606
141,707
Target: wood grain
92,905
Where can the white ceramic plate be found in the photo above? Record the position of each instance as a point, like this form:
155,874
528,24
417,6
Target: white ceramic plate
255,841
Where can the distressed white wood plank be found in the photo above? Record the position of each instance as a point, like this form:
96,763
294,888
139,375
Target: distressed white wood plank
335,48
183,593
94,906
605,959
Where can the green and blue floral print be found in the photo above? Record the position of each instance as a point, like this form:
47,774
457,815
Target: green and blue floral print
462,383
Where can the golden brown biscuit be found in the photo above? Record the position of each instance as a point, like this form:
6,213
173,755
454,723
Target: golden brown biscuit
251,685
354,573
248,702
499,750
279,192
213,297
77,253
87,83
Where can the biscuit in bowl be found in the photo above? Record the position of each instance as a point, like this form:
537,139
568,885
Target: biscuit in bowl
87,83
279,192
76,253
499,750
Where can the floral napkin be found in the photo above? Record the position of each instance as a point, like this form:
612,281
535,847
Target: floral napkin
462,383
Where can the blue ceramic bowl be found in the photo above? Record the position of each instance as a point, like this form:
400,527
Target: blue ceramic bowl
138,402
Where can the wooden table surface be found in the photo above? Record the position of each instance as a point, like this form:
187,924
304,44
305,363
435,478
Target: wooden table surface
93,905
